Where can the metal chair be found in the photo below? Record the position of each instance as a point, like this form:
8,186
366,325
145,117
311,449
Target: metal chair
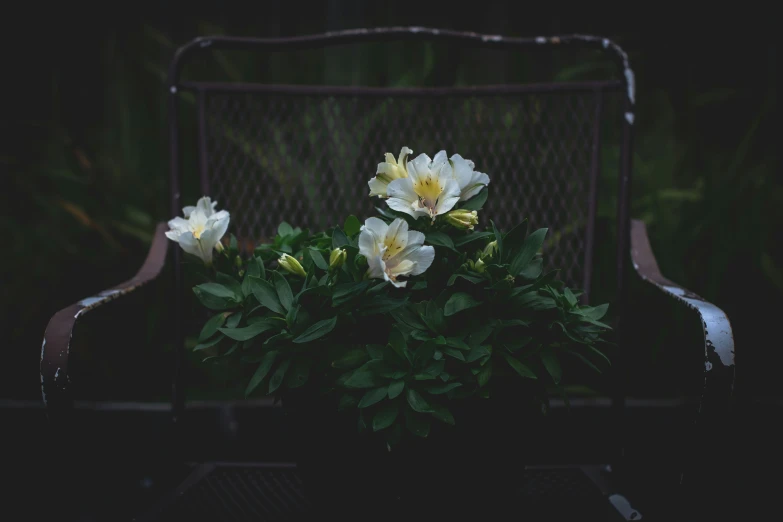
270,151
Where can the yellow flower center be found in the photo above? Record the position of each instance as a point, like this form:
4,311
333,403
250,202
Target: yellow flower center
429,191
198,230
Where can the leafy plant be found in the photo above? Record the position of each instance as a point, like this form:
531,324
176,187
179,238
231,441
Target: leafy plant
401,317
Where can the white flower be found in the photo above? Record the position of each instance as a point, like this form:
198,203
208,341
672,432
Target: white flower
204,204
202,231
393,251
388,171
470,181
429,190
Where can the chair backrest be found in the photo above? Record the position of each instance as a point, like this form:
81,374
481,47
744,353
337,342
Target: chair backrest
303,153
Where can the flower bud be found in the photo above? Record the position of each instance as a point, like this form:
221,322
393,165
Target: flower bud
337,258
490,249
291,265
462,219
479,266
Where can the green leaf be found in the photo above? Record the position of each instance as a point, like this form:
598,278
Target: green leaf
248,332
440,390
318,259
570,297
344,292
347,401
297,376
352,359
352,225
477,201
480,335
261,372
290,317
472,236
255,267
363,378
529,249
439,239
498,238
416,401
211,326
375,351
458,302
453,352
552,365
476,353
599,353
395,389
232,284
233,320
284,293
317,330
520,368
266,295
381,304
419,425
208,344
585,360
594,312
339,239
277,378
533,269
514,239
215,296
373,396
484,374
472,279
407,317
443,414
424,353
434,316
385,416
284,229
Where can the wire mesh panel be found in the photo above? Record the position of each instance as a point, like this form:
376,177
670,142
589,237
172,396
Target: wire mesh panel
306,156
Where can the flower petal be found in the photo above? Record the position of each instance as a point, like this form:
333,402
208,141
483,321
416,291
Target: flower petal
402,197
179,224
396,237
415,238
440,157
217,227
377,226
206,205
378,187
448,197
187,211
173,234
478,181
463,172
422,258
190,244
404,152
419,167
376,267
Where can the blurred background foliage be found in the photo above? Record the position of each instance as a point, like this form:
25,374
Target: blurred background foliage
86,159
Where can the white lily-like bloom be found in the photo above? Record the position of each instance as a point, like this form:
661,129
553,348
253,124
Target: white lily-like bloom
202,231
204,204
429,190
393,250
470,181
388,171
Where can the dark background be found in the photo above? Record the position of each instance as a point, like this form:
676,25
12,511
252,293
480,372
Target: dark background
84,164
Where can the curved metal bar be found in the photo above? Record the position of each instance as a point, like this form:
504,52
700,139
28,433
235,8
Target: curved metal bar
719,368
197,45
57,339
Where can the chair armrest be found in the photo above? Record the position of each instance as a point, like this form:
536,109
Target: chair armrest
718,338
57,338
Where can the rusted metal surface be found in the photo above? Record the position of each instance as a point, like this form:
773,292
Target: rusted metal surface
55,348
719,368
